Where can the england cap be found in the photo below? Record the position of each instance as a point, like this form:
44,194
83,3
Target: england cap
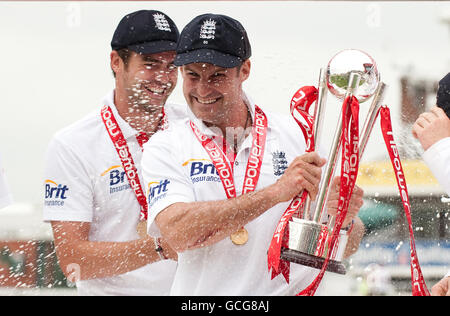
214,39
443,94
146,32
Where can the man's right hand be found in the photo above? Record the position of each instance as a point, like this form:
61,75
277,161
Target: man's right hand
303,173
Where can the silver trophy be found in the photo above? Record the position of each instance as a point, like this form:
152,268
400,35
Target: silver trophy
351,72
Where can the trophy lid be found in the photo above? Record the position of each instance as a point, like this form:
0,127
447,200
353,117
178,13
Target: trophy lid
352,61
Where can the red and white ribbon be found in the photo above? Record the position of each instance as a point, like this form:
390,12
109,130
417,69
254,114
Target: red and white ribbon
419,287
300,104
349,172
121,146
224,168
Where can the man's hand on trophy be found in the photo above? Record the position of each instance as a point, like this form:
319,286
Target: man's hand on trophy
356,201
302,174
431,127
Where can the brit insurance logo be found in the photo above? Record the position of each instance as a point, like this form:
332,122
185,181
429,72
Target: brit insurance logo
116,178
157,190
55,194
202,170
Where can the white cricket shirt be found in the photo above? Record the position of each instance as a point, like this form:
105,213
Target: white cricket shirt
437,158
5,195
177,168
85,182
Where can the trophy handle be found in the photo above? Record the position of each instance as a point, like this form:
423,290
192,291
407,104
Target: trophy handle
371,117
319,109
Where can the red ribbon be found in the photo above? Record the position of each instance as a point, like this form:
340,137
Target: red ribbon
349,172
300,104
224,169
121,146
419,287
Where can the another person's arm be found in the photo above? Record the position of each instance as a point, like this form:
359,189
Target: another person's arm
102,259
433,131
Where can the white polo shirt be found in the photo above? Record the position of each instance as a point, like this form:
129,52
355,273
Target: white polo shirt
177,168
91,186
5,195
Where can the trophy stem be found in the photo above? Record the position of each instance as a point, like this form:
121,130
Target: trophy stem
333,155
371,117
318,120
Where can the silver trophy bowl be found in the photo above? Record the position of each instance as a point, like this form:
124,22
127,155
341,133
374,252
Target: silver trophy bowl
352,61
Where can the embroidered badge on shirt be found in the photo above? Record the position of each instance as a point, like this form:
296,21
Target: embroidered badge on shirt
280,163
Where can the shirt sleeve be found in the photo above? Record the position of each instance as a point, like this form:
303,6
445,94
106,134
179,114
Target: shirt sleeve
164,179
68,191
437,158
5,195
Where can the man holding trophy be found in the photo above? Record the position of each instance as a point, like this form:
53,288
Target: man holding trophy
218,183
433,131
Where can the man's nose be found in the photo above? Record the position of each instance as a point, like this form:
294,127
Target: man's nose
204,88
163,76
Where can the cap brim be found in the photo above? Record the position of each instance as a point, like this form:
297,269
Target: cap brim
209,56
153,47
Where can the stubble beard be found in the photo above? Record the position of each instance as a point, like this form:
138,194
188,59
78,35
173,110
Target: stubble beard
143,111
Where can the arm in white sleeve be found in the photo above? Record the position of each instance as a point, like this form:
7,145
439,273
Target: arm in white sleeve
437,158
5,195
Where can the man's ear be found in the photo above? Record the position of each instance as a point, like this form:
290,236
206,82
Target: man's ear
245,70
115,61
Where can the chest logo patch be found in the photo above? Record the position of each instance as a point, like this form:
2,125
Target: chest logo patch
279,162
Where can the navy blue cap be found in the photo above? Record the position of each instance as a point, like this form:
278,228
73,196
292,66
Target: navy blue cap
214,39
443,94
146,32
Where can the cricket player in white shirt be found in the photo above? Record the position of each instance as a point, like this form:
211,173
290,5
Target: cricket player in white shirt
94,197
218,184
433,131
5,195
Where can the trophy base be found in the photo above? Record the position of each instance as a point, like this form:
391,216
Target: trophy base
311,261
